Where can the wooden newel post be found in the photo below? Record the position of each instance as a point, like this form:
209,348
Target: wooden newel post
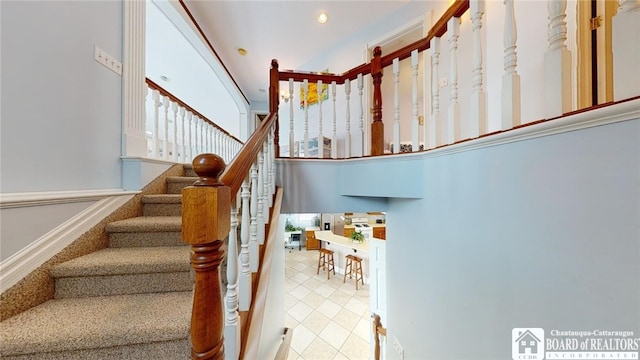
377,127
206,221
274,103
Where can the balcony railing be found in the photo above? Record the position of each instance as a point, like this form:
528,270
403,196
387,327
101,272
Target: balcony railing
177,132
330,116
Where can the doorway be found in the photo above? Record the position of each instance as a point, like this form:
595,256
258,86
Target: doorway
595,56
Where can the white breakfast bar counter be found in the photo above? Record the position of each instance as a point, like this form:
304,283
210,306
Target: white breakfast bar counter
341,247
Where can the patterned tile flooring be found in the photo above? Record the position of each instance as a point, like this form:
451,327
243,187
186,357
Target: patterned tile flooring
330,319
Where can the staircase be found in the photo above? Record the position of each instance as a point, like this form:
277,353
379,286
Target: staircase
131,300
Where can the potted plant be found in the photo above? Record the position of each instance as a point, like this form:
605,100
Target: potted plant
357,236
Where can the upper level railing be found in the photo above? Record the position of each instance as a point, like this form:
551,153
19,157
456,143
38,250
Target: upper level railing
177,132
420,115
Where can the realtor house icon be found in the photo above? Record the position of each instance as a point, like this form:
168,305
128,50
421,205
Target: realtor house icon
527,344
527,341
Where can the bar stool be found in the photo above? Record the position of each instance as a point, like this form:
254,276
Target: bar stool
325,261
354,272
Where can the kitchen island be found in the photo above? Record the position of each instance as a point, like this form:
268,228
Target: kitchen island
341,247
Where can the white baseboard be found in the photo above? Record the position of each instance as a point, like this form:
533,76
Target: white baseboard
20,264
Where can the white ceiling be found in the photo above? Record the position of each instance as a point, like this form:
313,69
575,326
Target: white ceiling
286,30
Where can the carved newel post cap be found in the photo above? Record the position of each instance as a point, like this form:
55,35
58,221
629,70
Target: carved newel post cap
208,167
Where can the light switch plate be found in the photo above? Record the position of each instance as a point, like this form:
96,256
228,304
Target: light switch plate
107,60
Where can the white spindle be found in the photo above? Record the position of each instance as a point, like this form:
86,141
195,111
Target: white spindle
156,123
253,235
360,94
453,30
273,163
174,145
165,137
305,87
415,130
232,318
396,106
244,280
203,136
291,133
510,79
478,97
189,134
334,136
261,197
441,131
268,199
557,62
347,136
320,135
183,148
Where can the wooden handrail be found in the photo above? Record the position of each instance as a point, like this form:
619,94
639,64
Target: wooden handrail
283,350
164,92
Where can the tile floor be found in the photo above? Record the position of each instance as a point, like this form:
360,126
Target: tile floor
330,319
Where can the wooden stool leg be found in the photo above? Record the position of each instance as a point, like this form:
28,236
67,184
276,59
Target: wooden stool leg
347,265
320,261
359,273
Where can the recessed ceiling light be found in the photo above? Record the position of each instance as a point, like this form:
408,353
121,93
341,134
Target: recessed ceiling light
323,17
242,51
164,78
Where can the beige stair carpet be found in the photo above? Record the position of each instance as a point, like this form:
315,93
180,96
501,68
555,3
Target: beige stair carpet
131,300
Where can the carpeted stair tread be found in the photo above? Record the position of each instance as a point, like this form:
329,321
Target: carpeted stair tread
117,261
146,224
162,199
97,322
175,184
182,179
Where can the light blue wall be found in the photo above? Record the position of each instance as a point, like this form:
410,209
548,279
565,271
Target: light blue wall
536,233
61,110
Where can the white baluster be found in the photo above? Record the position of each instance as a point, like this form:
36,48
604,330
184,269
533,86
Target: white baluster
360,94
478,97
510,79
320,135
396,106
625,49
415,130
183,148
305,87
267,177
334,136
174,146
253,235
291,132
156,123
165,141
272,167
189,134
557,62
261,197
347,136
232,318
244,281
441,131
203,137
453,30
